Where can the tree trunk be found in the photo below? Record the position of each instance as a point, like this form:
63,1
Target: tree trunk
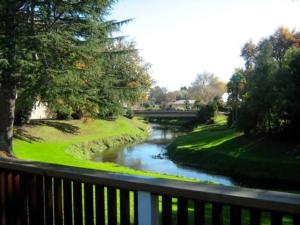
7,113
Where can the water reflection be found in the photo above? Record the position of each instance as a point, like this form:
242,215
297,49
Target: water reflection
150,156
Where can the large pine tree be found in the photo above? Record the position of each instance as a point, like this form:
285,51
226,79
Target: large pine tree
47,49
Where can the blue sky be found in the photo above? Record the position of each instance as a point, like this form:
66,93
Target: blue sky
181,38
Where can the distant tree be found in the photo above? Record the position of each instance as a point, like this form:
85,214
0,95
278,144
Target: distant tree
158,95
288,82
205,88
219,104
248,53
261,94
206,113
124,81
172,96
264,97
183,88
235,88
281,41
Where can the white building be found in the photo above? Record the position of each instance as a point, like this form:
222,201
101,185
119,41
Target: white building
181,104
40,111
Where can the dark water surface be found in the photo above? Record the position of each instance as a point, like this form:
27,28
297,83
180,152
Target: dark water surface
150,156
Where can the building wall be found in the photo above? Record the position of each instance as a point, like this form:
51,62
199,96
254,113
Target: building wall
40,111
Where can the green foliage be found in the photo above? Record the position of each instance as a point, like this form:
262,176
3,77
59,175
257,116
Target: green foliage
124,80
24,106
205,88
219,104
129,113
206,113
248,53
235,89
59,53
158,95
264,97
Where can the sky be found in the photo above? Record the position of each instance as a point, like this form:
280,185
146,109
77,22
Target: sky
181,38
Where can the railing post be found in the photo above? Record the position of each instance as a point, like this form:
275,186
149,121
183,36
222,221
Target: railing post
147,208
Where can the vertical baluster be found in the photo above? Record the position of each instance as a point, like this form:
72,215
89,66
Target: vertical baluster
20,203
276,218
235,215
125,207
182,213
3,197
255,217
26,190
148,208
58,211
296,219
67,189
10,199
217,214
199,213
88,204
49,201
166,210
77,190
36,206
100,209
112,206
136,206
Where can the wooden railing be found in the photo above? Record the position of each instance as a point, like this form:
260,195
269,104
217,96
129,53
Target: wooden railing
37,194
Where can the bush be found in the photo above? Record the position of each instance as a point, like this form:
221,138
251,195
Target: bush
24,106
247,120
77,115
206,113
63,115
129,114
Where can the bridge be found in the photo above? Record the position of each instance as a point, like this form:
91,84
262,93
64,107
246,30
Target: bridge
33,193
166,113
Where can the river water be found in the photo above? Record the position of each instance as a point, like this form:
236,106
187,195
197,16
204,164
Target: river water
150,156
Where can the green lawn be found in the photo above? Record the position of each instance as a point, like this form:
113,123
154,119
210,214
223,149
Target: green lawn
47,141
224,150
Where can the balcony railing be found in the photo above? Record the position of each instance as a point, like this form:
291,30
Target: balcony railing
35,194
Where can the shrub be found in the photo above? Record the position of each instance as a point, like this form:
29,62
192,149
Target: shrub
206,113
129,114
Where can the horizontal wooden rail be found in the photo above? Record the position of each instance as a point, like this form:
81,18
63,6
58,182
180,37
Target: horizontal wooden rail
53,194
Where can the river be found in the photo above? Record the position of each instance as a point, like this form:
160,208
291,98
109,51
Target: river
150,156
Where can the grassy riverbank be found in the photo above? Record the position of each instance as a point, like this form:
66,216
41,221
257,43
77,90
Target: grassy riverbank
220,149
58,142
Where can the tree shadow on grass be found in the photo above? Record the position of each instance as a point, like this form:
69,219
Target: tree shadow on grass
23,135
20,133
61,126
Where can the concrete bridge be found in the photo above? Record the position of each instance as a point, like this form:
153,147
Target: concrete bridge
165,113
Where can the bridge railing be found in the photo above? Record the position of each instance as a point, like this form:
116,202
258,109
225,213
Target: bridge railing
165,113
37,194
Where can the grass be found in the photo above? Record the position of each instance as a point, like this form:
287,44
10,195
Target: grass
47,141
248,160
